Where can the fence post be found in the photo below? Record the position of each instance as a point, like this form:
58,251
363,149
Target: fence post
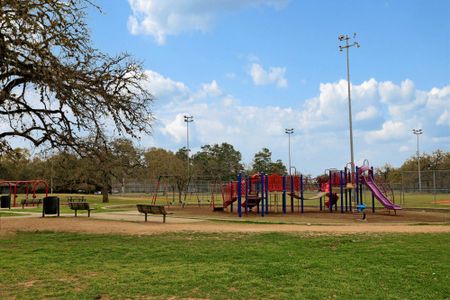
402,195
434,186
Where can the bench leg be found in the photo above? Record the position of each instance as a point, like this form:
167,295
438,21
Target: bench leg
145,217
76,212
89,213
164,218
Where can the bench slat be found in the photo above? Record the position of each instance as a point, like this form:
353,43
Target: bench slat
152,209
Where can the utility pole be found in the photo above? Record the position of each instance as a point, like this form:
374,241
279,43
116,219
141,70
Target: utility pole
188,119
418,132
289,131
346,46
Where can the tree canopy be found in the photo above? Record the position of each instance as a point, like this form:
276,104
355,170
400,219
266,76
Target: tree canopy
218,161
262,162
55,87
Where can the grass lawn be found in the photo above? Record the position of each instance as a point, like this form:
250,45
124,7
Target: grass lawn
410,200
223,266
10,214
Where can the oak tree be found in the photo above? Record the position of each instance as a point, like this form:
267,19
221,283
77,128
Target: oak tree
55,87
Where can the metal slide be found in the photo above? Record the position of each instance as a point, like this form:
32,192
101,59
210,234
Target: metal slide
368,181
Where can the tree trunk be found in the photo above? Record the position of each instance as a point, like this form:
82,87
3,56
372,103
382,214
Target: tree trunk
105,198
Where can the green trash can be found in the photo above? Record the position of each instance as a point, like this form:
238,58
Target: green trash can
50,206
5,201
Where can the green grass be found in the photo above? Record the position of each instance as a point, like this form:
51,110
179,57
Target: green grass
225,266
11,214
411,200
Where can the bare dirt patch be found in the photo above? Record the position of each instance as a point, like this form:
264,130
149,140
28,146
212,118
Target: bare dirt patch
444,202
91,225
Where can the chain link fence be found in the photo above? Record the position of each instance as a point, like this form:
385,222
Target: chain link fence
432,190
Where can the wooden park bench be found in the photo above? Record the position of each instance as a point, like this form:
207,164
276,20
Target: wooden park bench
76,199
32,201
76,206
152,209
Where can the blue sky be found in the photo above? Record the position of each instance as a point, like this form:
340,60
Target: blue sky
247,69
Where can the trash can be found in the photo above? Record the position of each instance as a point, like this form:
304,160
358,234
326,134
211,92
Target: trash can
5,201
50,206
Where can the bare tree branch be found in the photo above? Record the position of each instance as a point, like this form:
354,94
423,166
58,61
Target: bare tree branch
55,87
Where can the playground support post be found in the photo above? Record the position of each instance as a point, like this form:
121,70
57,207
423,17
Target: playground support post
262,194
231,196
266,180
373,195
239,194
330,199
357,186
301,195
334,180
247,187
284,194
342,191
361,199
350,194
292,193
346,189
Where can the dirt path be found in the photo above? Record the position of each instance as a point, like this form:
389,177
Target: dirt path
92,225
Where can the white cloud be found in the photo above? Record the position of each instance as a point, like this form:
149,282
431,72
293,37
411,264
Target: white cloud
160,18
444,119
390,130
320,123
176,128
161,86
369,113
273,75
212,89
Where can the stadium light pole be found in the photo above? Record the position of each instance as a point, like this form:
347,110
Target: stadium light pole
188,119
289,131
346,46
418,132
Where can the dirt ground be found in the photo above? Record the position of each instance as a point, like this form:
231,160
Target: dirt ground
314,216
194,219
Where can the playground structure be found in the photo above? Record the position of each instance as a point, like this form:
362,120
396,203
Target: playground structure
336,190
343,189
30,188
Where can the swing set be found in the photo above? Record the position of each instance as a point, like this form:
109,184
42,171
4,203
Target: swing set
30,188
202,190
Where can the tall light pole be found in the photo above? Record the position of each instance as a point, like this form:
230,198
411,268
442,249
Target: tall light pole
346,46
418,132
289,131
188,119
